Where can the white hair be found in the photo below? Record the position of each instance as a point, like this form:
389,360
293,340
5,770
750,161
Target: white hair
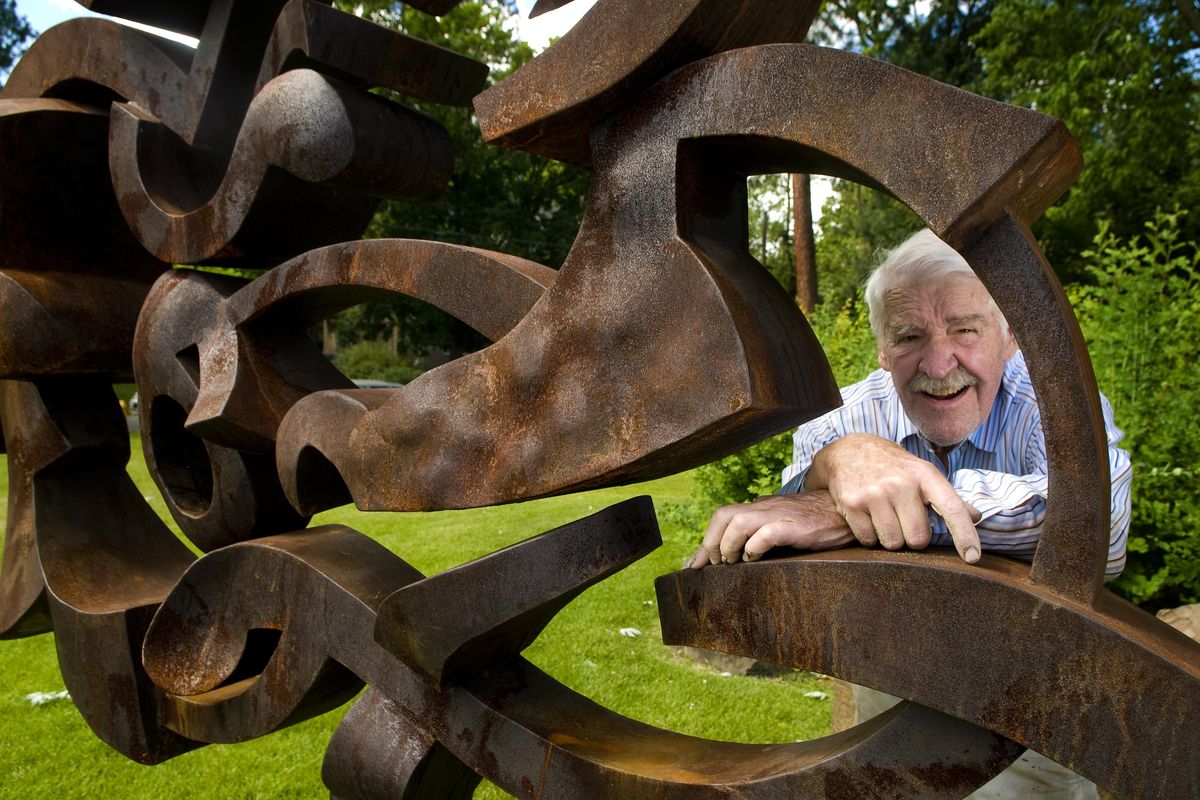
921,258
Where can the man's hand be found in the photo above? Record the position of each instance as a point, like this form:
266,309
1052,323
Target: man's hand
882,490
808,521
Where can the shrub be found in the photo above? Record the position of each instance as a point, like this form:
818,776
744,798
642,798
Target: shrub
375,361
1141,319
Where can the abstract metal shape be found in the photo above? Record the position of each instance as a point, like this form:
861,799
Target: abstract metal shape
223,360
286,610
423,626
217,494
659,345
551,105
312,158
275,164
597,384
1051,673
377,753
104,573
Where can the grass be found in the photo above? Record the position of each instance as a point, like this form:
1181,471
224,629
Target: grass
48,751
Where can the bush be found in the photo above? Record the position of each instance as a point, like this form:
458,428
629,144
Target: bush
374,361
1141,317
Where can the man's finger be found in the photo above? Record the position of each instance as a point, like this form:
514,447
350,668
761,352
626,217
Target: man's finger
739,529
711,544
764,539
914,522
860,525
886,526
946,502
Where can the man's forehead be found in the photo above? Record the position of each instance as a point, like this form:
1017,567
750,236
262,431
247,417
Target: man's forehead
951,300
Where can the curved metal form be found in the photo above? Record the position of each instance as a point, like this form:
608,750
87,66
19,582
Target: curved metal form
551,105
1026,641
659,345
265,145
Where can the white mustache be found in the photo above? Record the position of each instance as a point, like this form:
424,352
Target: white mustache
955,381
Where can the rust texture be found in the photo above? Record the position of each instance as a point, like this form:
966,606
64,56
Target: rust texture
660,344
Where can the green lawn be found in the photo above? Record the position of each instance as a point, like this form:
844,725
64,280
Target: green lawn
49,752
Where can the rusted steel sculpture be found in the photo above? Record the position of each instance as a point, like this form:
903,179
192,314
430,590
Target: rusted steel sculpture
660,344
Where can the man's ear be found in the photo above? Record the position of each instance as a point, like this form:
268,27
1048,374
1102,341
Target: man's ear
884,361
1010,347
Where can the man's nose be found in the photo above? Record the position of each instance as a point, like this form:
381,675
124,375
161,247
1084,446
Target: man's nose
938,360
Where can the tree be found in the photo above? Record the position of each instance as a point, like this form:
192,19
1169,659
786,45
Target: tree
15,34
858,222
1123,75
770,217
497,199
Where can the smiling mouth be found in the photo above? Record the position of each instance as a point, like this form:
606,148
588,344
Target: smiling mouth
948,396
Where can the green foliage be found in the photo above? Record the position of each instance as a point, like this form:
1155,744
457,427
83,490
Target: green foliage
1124,76
374,361
413,328
770,216
846,338
856,225
845,334
935,41
1141,319
15,35
499,199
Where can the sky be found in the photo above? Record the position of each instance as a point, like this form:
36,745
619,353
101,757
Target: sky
43,14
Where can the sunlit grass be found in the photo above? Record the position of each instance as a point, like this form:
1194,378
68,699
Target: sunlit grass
49,751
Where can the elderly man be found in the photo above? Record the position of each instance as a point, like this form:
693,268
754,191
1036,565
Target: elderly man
942,445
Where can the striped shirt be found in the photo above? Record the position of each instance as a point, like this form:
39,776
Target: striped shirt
1000,469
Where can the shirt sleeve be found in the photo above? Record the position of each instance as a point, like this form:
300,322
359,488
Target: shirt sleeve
1013,507
807,441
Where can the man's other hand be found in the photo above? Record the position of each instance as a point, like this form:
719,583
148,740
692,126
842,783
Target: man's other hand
882,492
743,532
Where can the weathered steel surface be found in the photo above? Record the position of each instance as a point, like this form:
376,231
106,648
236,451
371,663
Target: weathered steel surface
320,591
275,163
423,627
55,178
616,337
660,344
1073,550
288,609
1047,671
551,105
78,526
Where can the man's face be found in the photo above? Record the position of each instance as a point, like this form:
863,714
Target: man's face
946,351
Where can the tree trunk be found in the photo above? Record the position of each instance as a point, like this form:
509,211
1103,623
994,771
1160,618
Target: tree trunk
328,338
806,251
